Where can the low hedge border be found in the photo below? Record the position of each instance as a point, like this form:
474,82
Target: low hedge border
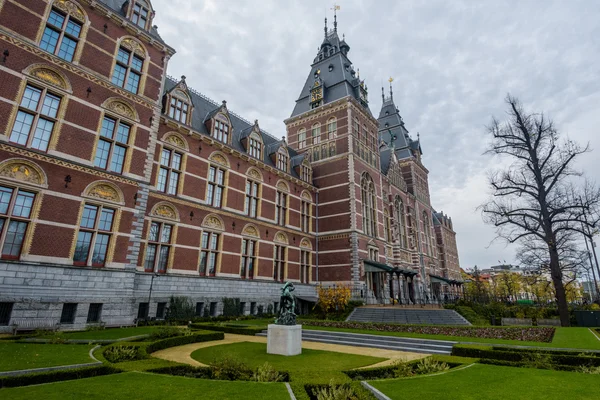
199,372
571,359
359,391
549,351
181,340
503,363
532,334
386,372
56,376
237,330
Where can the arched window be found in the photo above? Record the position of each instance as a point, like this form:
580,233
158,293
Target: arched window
282,159
301,138
129,66
179,106
399,216
316,133
141,14
331,128
63,30
388,226
221,128
255,146
426,233
369,205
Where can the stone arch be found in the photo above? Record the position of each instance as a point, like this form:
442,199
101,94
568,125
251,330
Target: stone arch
254,174
213,221
282,185
49,75
24,171
72,9
165,210
306,196
133,45
251,230
305,244
104,191
281,237
219,158
121,107
176,140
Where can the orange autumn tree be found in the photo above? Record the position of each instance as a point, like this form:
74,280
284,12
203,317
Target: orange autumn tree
333,298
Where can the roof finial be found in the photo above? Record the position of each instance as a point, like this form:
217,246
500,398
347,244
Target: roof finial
335,8
382,94
391,91
325,28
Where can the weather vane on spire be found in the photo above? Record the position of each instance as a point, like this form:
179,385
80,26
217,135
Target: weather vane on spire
390,81
335,8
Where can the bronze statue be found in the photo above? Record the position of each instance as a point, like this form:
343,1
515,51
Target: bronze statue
287,315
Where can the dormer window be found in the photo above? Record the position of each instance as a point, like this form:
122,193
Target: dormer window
306,172
255,146
141,14
221,129
179,106
282,160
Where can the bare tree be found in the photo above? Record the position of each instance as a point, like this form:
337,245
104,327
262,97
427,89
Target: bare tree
535,197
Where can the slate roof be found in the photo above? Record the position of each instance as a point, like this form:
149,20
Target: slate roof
339,82
393,132
117,6
205,108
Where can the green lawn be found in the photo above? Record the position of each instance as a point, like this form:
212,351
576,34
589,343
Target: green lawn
487,382
138,385
109,334
17,356
312,365
575,338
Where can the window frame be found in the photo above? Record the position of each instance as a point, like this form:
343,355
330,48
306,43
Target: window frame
248,260
279,262
181,110
114,142
169,171
159,244
255,146
281,207
331,128
399,214
305,266
8,218
305,214
252,199
128,70
95,232
315,131
143,7
214,186
221,132
283,160
369,206
301,139
208,250
62,33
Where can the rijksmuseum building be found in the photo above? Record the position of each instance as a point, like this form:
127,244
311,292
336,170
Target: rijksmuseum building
121,187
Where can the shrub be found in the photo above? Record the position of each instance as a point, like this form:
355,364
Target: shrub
402,369
334,392
266,373
260,310
231,307
237,330
120,353
185,370
231,369
180,307
428,365
55,376
169,331
589,370
181,340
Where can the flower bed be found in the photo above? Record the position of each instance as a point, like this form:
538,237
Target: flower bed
527,334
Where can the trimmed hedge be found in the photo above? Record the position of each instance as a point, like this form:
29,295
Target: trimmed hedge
488,361
497,353
199,372
237,330
181,340
562,352
383,372
55,376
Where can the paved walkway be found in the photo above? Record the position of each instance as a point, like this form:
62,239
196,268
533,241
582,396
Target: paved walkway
182,354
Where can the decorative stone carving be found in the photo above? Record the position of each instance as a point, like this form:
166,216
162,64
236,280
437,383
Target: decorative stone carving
134,46
176,141
282,186
164,211
305,244
50,77
306,196
121,108
213,222
104,192
281,238
219,159
70,8
250,230
23,171
254,174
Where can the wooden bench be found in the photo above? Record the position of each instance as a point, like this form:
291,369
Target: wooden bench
32,324
119,322
517,321
548,322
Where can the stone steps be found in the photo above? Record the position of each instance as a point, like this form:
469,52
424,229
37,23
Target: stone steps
407,316
377,341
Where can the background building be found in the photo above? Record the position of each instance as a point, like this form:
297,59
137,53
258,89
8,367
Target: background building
115,179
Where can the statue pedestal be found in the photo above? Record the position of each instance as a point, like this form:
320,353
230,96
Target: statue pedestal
285,340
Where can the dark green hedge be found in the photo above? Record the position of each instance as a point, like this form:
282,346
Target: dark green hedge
55,376
498,353
525,365
386,372
562,352
238,330
181,340
199,372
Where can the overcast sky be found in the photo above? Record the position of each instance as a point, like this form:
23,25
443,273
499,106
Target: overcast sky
453,62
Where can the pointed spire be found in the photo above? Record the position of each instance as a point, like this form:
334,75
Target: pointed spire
325,29
382,94
391,90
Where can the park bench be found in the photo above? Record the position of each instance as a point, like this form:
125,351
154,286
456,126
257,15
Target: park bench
32,324
517,321
548,322
119,322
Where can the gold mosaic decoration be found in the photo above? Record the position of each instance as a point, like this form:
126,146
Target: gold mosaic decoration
305,243
164,210
104,191
22,171
70,8
213,222
282,186
219,159
281,238
134,46
119,107
250,230
254,174
176,141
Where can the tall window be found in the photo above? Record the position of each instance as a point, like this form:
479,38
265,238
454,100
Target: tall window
15,211
332,149
316,153
356,128
216,186
425,233
279,263
221,131
255,147
35,119
178,110
95,229
368,206
302,138
331,128
209,253
169,171
388,226
305,266
399,210
139,15
251,205
112,145
282,161
61,35
159,247
280,208
373,254
316,134
248,259
305,216
128,70
306,175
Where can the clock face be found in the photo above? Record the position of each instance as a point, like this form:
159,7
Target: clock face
316,95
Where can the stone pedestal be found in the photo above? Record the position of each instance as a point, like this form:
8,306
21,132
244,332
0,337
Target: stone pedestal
285,340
